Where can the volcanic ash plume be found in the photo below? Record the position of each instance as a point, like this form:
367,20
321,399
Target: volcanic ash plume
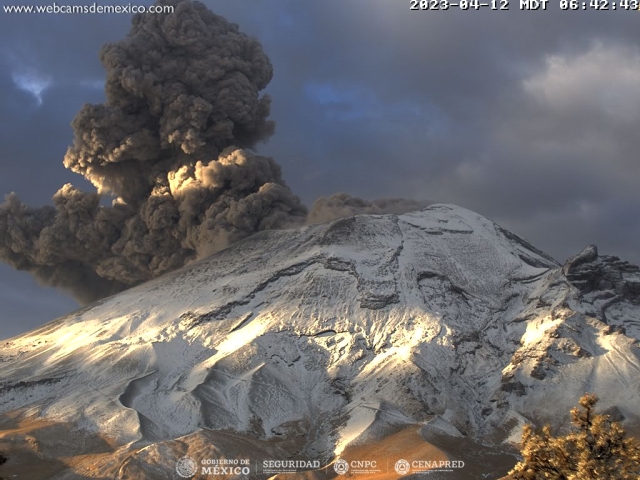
340,205
182,102
168,145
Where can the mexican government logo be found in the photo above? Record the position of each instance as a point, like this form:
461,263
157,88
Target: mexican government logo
402,467
186,467
341,466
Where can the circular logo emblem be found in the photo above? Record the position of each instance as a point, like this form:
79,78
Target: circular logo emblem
186,467
341,466
402,467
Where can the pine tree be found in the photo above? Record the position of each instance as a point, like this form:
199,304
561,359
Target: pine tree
597,448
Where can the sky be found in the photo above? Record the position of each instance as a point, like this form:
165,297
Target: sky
529,118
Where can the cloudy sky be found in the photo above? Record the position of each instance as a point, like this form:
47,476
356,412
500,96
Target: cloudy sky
529,118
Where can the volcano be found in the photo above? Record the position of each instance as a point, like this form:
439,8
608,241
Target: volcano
431,335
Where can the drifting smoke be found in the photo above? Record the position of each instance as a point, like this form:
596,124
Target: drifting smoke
169,145
341,205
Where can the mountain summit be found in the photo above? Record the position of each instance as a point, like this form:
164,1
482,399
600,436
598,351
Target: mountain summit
313,342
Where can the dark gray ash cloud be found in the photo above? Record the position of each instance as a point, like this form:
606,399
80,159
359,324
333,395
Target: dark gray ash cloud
171,146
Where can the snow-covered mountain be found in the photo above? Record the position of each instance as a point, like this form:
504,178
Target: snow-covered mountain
306,343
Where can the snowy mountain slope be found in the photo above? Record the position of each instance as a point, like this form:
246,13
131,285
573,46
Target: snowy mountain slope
438,316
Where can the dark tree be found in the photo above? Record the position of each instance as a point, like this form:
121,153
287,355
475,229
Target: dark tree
597,448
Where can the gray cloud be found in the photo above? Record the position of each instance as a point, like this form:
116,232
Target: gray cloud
560,154
480,132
